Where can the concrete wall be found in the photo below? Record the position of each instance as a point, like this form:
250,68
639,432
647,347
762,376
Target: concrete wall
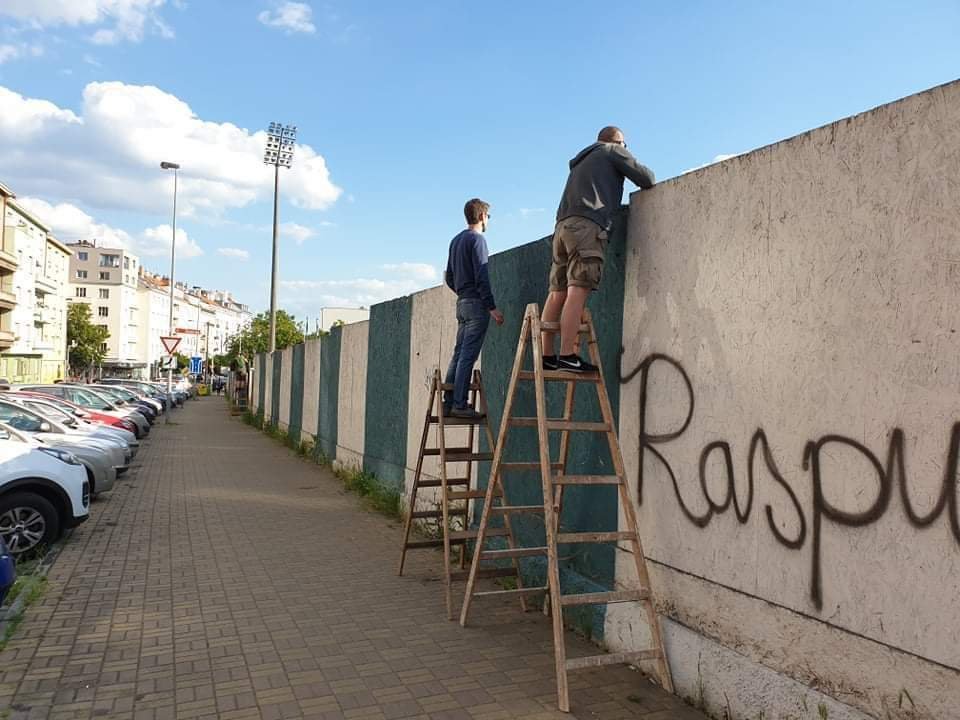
286,388
787,410
266,388
311,391
808,294
351,412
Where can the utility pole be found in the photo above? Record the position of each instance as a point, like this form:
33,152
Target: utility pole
173,249
279,153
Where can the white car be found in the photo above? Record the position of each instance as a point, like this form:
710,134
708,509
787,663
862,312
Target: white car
43,491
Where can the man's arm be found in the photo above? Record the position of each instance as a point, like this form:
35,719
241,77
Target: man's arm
448,275
627,164
482,277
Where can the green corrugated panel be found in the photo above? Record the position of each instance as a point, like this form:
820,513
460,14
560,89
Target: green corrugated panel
329,393
296,391
261,382
277,368
388,389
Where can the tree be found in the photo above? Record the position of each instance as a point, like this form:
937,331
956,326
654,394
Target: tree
84,339
256,338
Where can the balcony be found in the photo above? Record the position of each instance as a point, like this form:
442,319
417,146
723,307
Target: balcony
45,284
7,338
44,315
8,299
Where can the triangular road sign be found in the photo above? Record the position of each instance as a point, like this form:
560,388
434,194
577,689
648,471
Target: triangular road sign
170,343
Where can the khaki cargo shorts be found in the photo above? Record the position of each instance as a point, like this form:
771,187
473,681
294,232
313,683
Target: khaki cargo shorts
578,247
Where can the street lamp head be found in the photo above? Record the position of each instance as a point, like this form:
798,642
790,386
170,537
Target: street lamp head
280,143
169,166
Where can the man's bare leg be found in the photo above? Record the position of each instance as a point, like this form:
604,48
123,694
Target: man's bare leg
552,309
570,319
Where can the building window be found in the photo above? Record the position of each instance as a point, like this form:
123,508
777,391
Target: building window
81,292
103,311
109,260
104,294
104,275
103,347
126,263
82,256
81,274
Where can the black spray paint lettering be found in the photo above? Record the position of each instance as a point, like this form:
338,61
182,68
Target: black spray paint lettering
893,473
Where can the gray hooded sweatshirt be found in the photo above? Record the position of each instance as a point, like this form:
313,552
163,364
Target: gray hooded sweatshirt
595,185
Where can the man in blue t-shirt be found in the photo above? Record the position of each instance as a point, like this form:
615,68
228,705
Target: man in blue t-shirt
467,276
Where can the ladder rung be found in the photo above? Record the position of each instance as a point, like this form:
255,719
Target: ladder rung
446,386
592,537
555,327
517,508
600,598
459,454
561,376
414,544
438,513
439,483
472,534
454,421
509,466
471,494
556,424
485,573
512,552
512,591
612,659
586,480
449,450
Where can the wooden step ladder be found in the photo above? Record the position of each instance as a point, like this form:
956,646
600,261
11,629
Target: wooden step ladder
457,493
554,480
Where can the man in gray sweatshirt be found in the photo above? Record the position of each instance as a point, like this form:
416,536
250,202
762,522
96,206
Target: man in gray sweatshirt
593,192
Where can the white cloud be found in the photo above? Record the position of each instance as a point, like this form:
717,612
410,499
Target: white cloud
109,155
716,159
292,17
155,242
234,253
527,212
124,19
298,232
420,272
20,50
91,60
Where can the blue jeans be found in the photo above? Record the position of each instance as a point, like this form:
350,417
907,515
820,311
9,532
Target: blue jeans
472,322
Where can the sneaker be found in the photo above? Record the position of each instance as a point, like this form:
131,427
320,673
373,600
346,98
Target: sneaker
573,363
549,362
466,413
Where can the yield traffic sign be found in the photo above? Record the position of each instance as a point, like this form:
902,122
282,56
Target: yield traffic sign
170,343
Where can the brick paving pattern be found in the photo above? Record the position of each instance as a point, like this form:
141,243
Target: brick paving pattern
227,578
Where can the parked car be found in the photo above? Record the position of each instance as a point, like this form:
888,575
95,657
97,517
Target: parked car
75,416
144,388
43,491
8,570
87,398
100,457
123,398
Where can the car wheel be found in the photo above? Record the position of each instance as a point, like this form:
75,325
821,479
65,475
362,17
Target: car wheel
27,522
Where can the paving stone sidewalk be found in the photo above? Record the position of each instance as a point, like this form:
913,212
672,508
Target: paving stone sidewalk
227,578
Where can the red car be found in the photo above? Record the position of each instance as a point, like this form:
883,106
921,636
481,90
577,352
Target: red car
85,413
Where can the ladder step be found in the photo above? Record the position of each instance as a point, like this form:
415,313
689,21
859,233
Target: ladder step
555,327
554,424
561,376
471,494
512,552
612,659
439,483
515,466
485,573
593,537
600,598
454,421
415,544
517,508
459,454
586,480
460,512
449,450
512,591
447,386
472,534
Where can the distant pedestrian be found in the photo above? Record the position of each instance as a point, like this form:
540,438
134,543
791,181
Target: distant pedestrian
467,276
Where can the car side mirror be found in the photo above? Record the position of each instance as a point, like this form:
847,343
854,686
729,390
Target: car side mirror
45,427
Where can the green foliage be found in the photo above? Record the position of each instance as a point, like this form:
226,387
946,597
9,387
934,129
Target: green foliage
84,339
256,338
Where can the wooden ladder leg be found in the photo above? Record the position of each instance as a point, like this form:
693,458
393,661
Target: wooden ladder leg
445,512
494,481
639,559
553,563
408,523
563,459
476,400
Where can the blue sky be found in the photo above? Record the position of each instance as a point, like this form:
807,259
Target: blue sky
405,110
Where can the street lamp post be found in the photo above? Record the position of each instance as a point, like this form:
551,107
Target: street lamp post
173,249
279,153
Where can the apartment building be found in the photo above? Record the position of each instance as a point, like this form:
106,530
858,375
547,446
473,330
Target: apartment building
106,279
33,289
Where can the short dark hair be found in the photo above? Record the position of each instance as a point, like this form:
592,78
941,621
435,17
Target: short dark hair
474,209
609,134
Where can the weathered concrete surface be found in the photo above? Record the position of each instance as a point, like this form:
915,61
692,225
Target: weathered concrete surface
286,375
808,289
433,333
311,393
352,394
266,378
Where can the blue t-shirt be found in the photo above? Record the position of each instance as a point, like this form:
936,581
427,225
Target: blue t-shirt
466,271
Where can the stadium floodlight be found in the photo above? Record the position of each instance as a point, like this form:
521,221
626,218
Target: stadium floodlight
281,140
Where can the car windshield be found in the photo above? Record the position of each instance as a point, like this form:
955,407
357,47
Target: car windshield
20,418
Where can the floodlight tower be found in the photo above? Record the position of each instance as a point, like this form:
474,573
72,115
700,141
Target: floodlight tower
279,153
